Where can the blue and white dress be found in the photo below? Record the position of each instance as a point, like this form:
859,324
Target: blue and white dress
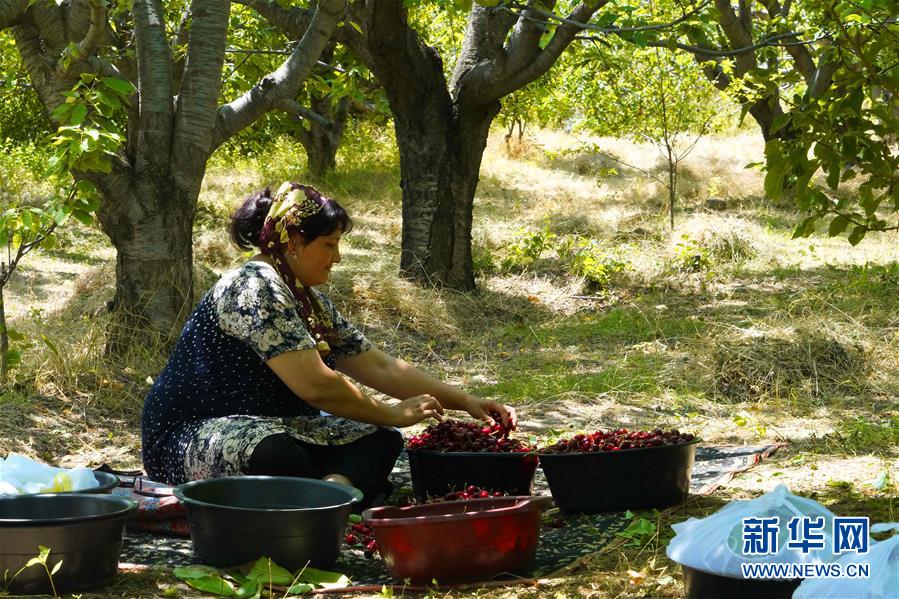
216,399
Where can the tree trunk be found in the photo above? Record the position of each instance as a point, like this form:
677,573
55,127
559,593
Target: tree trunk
672,185
440,161
764,115
321,141
4,343
150,223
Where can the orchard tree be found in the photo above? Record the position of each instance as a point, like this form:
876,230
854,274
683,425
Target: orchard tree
442,117
659,96
338,89
172,55
849,130
756,50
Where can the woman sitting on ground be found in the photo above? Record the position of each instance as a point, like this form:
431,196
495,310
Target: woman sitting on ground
251,387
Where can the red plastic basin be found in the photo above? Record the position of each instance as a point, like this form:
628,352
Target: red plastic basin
458,541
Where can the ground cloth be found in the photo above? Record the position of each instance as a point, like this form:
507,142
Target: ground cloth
582,534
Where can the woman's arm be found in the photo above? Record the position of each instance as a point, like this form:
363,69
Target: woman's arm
309,378
397,378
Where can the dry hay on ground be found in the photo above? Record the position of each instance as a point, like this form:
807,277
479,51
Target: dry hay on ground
781,365
723,239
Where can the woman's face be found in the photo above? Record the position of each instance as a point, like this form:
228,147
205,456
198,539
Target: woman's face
311,262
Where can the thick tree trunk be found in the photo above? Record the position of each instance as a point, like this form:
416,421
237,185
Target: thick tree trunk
150,223
440,160
764,115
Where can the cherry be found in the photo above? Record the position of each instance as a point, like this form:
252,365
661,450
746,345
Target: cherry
457,435
618,439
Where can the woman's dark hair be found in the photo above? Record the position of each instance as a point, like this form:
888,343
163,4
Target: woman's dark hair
247,221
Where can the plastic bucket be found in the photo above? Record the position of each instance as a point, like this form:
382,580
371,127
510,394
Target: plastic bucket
292,520
458,541
437,473
702,585
611,481
84,531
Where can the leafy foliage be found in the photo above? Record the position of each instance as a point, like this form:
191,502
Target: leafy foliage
263,575
849,131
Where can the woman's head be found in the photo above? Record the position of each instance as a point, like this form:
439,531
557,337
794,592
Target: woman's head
248,220
306,229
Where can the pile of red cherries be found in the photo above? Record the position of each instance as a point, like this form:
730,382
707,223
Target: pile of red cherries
458,435
618,439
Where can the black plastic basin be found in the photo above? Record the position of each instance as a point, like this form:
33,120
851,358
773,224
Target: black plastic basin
611,481
702,585
437,473
83,530
294,521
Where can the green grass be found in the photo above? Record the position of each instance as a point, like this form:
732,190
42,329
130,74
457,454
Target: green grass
617,326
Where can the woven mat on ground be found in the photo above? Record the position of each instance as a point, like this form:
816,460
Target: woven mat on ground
580,536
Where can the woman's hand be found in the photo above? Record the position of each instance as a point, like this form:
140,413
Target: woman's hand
415,409
488,409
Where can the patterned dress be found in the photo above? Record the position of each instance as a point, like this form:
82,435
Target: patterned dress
216,399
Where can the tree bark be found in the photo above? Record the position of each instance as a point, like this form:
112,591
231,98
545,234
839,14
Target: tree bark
322,137
438,195
149,220
4,343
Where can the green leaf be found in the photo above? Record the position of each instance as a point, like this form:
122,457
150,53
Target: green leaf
118,85
301,588
778,164
15,335
265,570
354,518
79,112
487,3
56,568
806,227
857,234
740,418
324,578
83,217
196,571
13,359
212,583
355,26
250,589
49,344
837,225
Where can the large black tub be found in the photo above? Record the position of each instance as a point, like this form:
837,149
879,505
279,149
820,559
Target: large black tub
701,585
611,481
83,530
294,521
436,473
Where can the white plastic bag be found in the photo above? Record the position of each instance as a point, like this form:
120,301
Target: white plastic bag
715,544
19,474
883,579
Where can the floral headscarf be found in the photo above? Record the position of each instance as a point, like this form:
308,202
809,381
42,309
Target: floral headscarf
292,206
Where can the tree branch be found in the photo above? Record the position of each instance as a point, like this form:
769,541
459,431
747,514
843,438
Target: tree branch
284,82
737,35
583,25
12,12
154,84
40,69
293,107
91,41
195,112
544,60
524,44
